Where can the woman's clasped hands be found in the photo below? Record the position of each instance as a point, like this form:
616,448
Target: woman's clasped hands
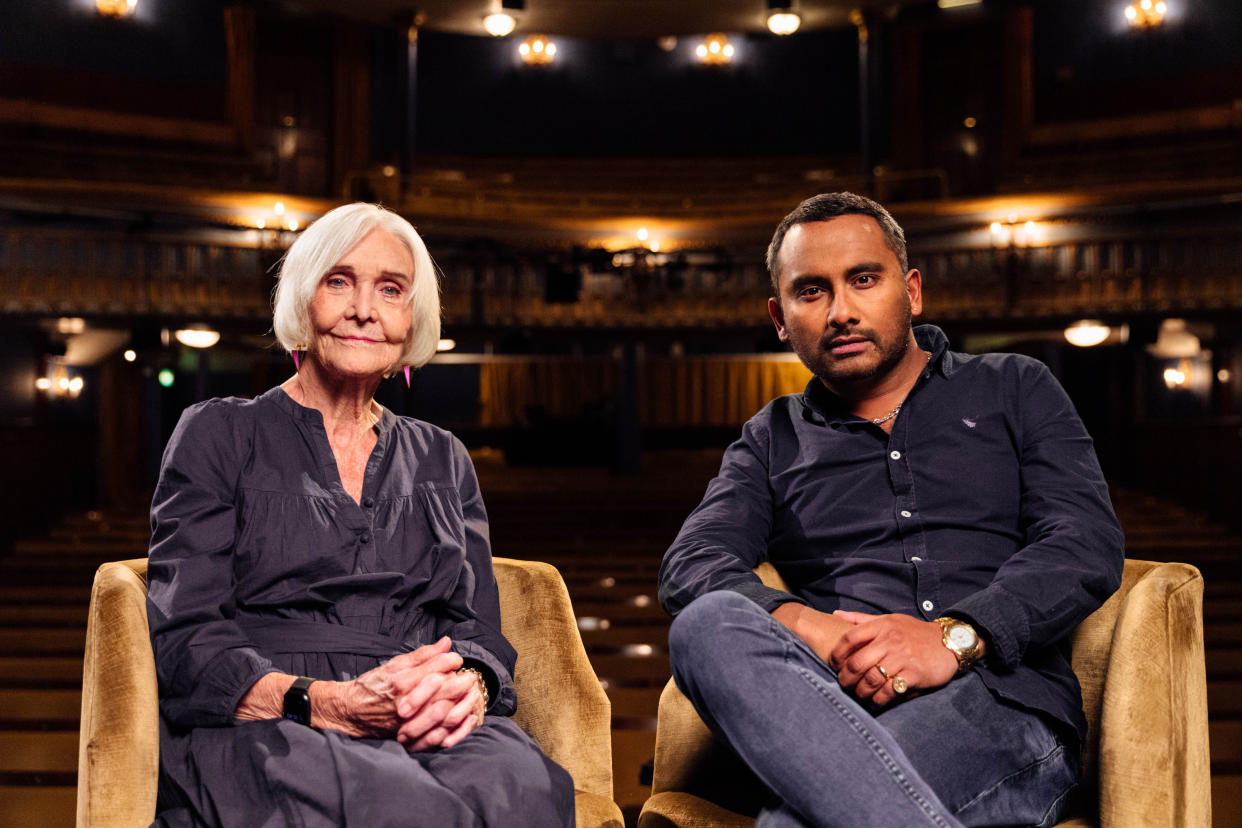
418,696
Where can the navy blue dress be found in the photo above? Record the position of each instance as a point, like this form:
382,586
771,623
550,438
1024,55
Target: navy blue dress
261,562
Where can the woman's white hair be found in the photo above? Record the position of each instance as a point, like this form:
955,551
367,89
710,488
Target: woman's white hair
323,245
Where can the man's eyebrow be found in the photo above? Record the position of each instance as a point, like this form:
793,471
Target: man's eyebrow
806,279
865,267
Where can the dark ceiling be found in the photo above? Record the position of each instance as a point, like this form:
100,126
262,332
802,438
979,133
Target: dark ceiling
605,18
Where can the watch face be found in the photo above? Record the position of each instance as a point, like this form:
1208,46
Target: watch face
962,637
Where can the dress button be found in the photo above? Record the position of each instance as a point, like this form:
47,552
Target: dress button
905,513
896,455
365,538
928,606
368,502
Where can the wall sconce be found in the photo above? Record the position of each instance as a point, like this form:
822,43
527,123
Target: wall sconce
200,337
58,383
1146,14
782,19
1174,341
715,50
503,18
1086,333
537,50
116,8
1014,232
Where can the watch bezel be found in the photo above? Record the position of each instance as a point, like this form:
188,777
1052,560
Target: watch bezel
296,703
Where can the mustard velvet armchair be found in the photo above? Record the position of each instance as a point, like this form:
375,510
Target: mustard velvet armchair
560,701
1139,659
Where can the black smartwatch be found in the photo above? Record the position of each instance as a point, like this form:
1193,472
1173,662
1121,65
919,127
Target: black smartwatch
297,700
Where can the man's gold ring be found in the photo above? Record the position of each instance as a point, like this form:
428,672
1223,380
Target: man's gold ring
899,685
883,672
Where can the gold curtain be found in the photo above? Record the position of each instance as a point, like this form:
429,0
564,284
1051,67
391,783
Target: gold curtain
676,392
561,387
714,391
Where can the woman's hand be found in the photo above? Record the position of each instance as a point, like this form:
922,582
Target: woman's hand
368,705
440,712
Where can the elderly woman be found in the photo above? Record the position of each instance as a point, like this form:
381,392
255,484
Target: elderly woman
325,621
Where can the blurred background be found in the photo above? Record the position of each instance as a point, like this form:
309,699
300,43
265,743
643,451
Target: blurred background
597,180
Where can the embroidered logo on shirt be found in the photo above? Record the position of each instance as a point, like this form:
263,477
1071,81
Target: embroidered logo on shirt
969,423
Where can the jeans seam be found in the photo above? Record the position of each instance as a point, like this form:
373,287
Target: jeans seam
876,748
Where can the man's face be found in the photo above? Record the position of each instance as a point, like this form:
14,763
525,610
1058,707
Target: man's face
844,305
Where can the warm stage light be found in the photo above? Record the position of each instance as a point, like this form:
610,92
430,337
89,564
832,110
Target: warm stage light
446,345
130,355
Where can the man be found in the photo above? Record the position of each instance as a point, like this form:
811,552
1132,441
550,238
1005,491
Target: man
943,526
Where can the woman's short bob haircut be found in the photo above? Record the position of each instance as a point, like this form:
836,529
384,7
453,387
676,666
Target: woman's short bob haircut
325,243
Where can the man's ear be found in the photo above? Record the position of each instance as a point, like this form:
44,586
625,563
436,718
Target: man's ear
778,318
914,288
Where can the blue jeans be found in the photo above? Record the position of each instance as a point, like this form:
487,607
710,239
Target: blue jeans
953,757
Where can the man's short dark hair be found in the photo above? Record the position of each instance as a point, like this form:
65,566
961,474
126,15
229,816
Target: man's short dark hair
833,205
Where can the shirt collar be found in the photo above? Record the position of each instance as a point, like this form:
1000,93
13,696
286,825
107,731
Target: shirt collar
298,411
823,406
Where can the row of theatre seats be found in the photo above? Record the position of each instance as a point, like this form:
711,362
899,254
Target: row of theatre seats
605,639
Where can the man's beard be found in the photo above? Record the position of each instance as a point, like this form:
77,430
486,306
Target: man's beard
851,370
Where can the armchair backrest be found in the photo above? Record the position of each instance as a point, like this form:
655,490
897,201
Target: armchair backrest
560,701
1140,661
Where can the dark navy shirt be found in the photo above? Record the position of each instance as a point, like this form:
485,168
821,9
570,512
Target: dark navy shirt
986,502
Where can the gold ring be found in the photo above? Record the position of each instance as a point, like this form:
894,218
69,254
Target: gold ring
883,672
899,685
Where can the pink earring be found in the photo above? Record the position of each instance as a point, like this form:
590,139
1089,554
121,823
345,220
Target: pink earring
297,363
406,370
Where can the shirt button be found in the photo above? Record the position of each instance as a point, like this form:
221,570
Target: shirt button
896,455
915,559
928,606
365,538
905,513
368,502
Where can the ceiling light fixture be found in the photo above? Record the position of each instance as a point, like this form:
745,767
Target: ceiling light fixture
954,4
502,20
782,19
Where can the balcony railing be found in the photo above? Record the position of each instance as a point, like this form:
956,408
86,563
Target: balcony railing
227,276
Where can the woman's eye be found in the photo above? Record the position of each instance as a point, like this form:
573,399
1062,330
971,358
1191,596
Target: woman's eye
335,281
391,291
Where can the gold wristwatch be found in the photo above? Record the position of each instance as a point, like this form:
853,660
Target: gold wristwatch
961,639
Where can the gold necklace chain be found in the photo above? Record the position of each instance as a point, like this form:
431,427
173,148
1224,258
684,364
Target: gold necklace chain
890,415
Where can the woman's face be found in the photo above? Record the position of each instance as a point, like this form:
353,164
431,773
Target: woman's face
361,311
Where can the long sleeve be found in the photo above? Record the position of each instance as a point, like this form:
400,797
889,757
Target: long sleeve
472,615
1073,552
204,661
726,536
